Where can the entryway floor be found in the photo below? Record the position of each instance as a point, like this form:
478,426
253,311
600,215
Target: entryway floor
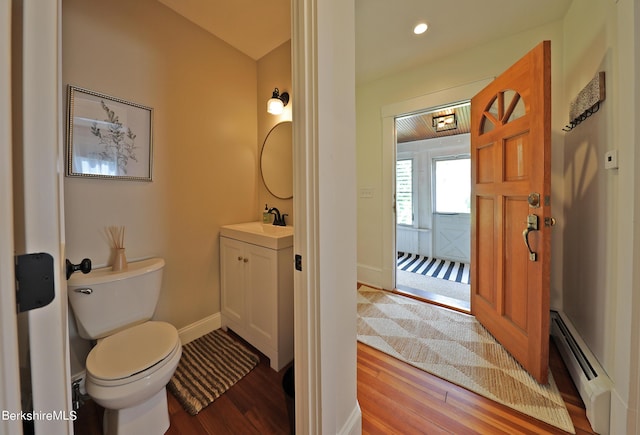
435,290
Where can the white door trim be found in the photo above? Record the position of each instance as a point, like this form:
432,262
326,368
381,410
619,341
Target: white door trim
9,370
308,383
388,114
43,214
323,98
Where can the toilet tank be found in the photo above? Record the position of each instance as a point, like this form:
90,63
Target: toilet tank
104,302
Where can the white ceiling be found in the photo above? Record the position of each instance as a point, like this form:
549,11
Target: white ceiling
384,40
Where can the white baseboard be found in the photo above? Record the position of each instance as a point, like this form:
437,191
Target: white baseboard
199,328
622,417
353,425
370,276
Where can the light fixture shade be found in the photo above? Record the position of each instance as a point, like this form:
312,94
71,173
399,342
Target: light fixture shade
275,106
445,122
276,103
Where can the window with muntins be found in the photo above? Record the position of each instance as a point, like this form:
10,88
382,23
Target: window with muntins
404,192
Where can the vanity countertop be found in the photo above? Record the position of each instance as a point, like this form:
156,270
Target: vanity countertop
257,233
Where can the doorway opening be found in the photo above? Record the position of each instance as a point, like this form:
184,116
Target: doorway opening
433,205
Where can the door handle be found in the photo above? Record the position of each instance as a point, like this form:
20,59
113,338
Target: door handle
84,267
532,225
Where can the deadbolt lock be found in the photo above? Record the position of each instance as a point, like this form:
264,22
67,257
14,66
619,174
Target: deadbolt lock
534,200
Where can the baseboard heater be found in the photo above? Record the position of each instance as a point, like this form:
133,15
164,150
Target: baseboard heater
592,382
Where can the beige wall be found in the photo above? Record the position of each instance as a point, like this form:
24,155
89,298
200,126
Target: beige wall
274,71
204,94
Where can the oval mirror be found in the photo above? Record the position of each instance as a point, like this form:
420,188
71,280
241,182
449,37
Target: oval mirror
276,161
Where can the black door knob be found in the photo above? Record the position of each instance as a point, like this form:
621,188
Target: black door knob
84,266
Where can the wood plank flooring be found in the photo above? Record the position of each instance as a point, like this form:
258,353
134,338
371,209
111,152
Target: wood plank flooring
395,398
398,398
254,405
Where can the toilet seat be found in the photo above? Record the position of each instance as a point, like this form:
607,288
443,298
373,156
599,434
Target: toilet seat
132,354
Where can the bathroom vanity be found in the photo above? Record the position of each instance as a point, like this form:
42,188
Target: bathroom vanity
256,284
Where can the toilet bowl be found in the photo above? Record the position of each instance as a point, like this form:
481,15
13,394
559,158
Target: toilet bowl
134,357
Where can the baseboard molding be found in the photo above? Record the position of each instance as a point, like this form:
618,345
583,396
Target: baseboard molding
370,276
353,425
199,328
622,417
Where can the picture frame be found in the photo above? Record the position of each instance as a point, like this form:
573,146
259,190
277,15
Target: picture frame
108,137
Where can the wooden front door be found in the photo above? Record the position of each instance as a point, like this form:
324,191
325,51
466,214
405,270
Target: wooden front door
511,188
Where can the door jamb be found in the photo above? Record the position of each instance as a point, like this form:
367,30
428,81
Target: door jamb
9,370
388,114
44,214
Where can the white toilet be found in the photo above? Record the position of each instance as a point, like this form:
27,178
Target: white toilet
134,357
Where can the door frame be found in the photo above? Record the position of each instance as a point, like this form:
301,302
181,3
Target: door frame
388,114
9,370
39,218
324,192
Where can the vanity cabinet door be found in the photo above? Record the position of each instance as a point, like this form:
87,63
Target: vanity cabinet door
262,293
256,286
232,280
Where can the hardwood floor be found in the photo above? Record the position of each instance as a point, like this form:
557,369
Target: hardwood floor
254,405
395,398
398,398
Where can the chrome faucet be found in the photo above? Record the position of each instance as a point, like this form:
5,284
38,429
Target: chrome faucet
278,219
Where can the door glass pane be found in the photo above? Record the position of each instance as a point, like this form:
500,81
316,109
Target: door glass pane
519,110
404,192
453,185
486,123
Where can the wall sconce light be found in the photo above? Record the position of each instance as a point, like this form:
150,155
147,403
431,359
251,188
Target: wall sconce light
276,103
445,122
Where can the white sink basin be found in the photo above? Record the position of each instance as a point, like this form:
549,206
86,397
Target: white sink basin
257,233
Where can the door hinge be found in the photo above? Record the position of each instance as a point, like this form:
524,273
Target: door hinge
34,281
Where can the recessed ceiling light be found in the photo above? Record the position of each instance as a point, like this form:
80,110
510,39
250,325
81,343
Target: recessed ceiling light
420,28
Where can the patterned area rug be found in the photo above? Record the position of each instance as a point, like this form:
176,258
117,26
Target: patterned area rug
209,366
455,347
429,266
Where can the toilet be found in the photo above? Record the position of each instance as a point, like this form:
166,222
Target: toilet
134,357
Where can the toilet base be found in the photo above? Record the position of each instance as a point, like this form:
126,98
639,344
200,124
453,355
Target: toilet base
150,417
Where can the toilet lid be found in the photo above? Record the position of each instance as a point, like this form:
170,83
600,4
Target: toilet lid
132,350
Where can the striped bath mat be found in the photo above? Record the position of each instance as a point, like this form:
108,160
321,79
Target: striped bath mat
434,267
209,366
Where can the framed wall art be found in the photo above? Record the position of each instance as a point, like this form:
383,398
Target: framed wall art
108,137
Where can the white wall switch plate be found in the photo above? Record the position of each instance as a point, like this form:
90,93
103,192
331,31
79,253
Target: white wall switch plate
611,159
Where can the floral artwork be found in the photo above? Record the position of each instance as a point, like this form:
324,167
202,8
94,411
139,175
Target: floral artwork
116,144
108,137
